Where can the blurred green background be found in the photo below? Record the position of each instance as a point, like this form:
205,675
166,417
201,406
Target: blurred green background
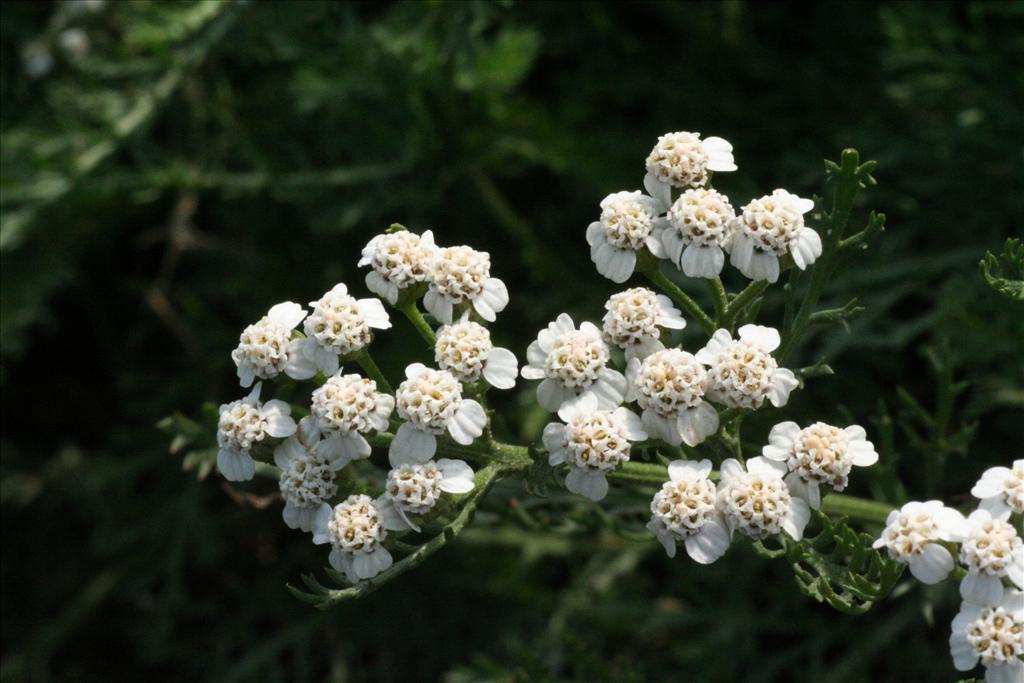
170,170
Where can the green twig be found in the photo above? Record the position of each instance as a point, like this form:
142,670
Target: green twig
720,299
742,300
419,322
484,479
366,362
680,297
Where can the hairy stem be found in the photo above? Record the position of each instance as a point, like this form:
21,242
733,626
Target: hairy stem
366,362
419,322
680,297
720,298
742,300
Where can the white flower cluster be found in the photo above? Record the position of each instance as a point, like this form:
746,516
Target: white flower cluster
673,389
346,410
696,228
990,625
244,424
454,276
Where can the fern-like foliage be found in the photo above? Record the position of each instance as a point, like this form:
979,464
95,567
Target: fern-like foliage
838,566
1005,273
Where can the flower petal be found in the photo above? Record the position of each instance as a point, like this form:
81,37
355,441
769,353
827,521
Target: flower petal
438,306
587,483
932,565
551,394
702,260
289,314
235,465
457,476
710,543
411,445
374,313
468,423
500,368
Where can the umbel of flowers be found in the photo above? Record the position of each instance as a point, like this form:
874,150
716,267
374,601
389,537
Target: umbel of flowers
642,386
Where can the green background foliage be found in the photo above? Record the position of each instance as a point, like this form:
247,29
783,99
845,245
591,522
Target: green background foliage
204,160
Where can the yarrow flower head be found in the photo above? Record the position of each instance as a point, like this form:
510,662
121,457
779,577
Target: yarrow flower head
990,550
415,489
593,441
683,160
912,536
669,387
431,403
244,424
992,632
629,222
356,531
633,318
819,454
266,348
307,477
1001,490
771,227
756,501
343,409
742,372
572,362
340,324
699,232
398,260
684,511
465,350
460,274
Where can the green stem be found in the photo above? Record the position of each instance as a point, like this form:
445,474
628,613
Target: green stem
419,322
847,179
680,297
484,479
861,509
742,300
855,508
720,299
366,362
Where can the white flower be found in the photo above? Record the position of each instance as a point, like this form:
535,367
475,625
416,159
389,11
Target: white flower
431,402
398,260
343,409
633,319
307,477
757,502
991,550
415,489
572,362
340,324
742,372
700,227
1001,490
356,531
593,441
683,160
266,348
819,454
669,386
629,222
242,425
459,274
769,228
993,633
465,350
913,533
684,511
